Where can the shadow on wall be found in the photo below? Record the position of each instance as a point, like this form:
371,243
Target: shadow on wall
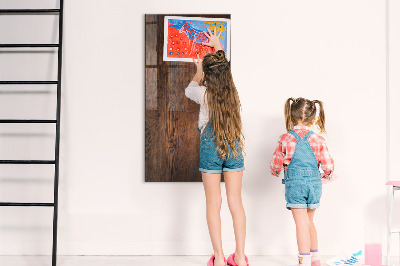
263,193
375,213
376,222
180,217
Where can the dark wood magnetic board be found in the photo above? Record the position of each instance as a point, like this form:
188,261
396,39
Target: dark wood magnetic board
172,141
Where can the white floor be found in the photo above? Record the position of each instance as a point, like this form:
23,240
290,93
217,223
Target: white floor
136,260
143,260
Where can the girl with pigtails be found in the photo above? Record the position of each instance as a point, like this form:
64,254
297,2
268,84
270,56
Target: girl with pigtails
302,154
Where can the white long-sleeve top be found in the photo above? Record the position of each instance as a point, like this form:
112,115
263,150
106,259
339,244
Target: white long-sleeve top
196,93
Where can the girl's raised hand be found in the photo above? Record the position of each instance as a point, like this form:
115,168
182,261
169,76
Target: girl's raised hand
198,64
213,39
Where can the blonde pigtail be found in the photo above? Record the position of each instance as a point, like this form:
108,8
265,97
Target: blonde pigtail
288,114
321,116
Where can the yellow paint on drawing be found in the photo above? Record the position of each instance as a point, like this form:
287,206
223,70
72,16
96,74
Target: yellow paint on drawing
219,26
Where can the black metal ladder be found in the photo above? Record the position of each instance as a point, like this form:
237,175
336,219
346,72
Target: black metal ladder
57,82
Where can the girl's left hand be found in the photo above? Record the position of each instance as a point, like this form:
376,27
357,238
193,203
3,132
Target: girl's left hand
213,39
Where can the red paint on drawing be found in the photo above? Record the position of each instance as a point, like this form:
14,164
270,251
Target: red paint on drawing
181,46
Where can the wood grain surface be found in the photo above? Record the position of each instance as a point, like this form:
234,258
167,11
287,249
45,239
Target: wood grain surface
172,141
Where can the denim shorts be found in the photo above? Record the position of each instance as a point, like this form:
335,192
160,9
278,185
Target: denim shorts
303,193
210,160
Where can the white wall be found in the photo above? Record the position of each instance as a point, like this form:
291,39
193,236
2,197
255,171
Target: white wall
333,51
394,110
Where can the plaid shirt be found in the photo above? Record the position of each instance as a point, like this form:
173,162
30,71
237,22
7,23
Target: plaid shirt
287,144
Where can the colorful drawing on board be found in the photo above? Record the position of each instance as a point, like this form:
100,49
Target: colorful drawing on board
183,37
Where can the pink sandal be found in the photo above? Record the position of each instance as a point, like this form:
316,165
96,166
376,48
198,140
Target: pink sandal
211,261
231,260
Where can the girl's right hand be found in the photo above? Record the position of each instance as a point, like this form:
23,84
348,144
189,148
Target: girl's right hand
199,67
198,64
213,39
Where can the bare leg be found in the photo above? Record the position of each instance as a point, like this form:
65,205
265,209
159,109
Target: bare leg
302,221
233,184
211,183
313,230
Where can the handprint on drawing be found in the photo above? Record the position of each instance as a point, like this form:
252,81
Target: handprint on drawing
183,37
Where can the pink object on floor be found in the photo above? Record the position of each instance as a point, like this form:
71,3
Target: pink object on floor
211,261
316,263
373,254
326,181
231,260
393,183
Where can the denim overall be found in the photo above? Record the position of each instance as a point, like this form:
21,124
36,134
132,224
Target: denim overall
211,162
302,181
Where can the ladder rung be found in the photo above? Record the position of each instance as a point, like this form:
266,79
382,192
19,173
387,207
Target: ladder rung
27,161
33,45
6,11
29,82
27,121
38,204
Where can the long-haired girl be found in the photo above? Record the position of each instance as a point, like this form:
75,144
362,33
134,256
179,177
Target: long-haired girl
221,147
302,153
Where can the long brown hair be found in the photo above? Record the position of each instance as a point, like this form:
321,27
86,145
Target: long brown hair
303,110
223,104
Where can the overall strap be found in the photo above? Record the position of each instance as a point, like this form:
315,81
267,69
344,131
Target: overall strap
303,164
297,136
294,133
308,134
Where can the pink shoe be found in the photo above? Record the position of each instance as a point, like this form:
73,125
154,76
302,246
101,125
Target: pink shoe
231,260
316,263
211,261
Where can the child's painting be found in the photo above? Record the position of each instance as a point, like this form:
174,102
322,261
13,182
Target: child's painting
183,37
